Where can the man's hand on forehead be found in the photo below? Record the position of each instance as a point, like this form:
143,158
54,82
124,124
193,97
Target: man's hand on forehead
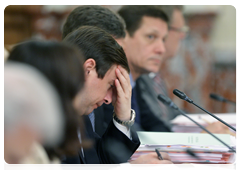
122,106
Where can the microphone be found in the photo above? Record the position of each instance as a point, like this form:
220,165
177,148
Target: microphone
183,96
169,103
220,98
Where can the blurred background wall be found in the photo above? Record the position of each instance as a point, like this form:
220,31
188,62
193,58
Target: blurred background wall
206,62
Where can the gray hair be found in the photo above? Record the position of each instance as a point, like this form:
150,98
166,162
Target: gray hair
30,99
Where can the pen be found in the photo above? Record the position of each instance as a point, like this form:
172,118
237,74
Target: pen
159,155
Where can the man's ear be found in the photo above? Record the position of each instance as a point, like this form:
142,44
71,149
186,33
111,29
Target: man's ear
89,65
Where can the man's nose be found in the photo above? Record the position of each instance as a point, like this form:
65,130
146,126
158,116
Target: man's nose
160,47
108,97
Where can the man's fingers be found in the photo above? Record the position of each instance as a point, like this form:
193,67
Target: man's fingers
118,87
124,73
125,83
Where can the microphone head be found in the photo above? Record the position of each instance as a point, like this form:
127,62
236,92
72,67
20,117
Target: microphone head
217,97
179,94
182,95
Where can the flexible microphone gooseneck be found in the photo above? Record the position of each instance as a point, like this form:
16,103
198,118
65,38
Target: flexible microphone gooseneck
169,103
183,96
220,98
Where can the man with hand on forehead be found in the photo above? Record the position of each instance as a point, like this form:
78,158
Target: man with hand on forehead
143,42
107,80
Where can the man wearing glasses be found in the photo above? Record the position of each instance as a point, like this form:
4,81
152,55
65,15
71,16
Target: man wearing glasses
177,30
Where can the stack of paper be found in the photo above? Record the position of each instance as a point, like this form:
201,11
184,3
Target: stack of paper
205,148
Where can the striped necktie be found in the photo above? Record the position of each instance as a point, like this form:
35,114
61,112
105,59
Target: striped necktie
160,88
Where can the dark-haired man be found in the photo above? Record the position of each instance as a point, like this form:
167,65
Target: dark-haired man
112,23
147,29
106,81
152,84
137,41
95,15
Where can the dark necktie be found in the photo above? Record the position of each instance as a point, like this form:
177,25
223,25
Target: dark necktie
134,105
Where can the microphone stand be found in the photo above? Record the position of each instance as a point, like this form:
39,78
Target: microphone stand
183,96
207,130
215,117
168,102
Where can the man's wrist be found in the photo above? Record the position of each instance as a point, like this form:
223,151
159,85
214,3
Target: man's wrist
128,123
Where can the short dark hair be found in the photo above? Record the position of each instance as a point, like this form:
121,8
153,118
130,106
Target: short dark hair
62,66
97,44
133,14
94,15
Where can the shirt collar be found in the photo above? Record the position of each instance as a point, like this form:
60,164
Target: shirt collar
132,82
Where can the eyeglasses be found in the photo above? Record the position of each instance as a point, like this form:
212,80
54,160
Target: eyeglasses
184,29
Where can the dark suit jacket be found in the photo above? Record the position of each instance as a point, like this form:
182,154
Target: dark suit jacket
149,103
112,148
103,116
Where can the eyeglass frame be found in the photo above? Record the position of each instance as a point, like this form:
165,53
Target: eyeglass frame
184,29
